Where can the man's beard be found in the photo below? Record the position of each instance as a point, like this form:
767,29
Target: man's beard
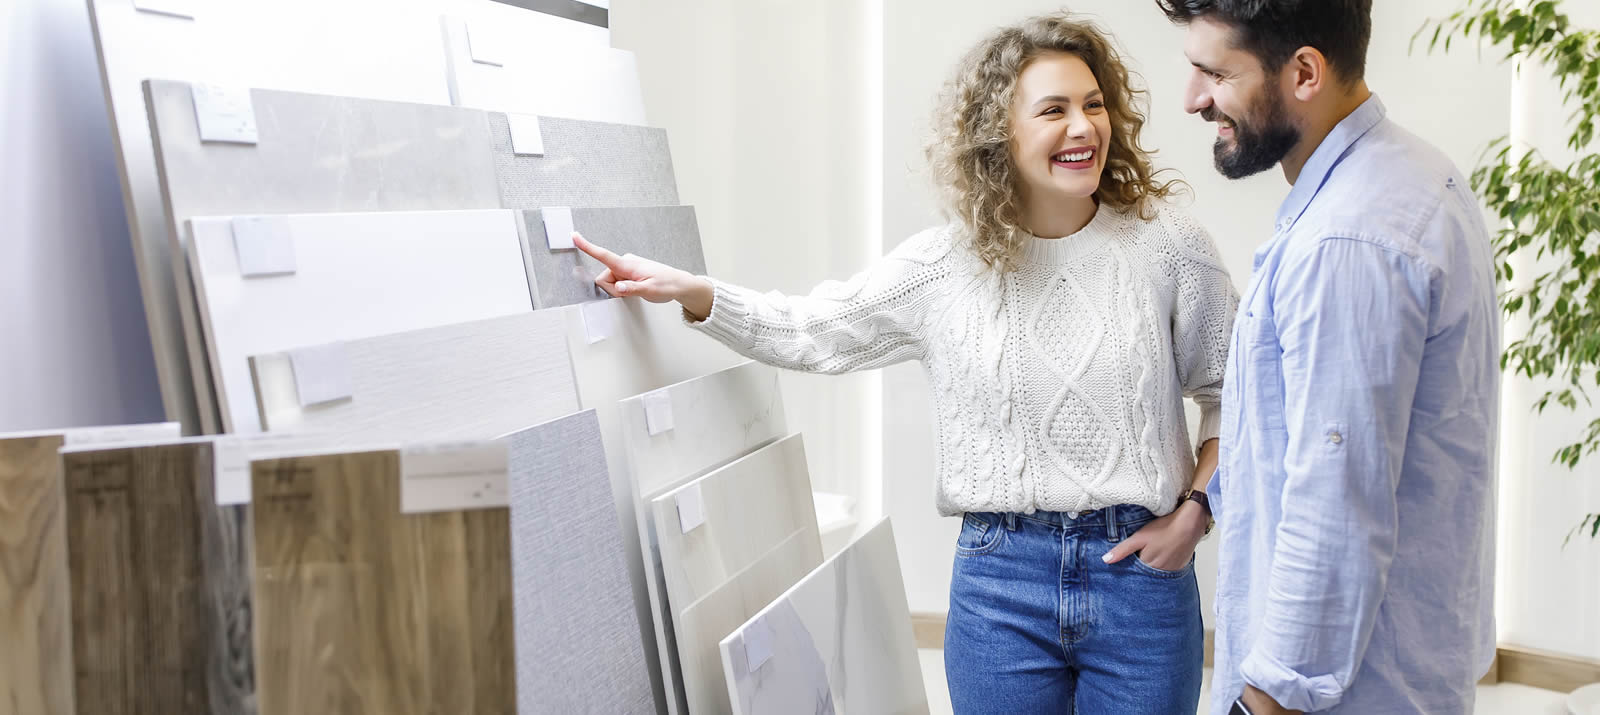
1258,144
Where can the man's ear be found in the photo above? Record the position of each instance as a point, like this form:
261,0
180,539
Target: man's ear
1307,73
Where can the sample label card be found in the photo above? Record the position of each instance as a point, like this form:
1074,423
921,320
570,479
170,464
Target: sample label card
322,374
657,412
454,477
691,508
527,139
122,433
171,8
557,227
224,114
264,244
758,644
599,319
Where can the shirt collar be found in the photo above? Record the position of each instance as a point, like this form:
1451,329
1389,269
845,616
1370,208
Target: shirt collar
1333,148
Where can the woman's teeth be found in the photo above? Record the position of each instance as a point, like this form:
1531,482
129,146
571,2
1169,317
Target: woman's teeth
1073,157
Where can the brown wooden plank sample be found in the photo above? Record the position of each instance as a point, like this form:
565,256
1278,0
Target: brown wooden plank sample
36,660
159,586
364,609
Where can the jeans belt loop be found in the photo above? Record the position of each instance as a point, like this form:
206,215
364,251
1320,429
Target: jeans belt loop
1011,521
1113,524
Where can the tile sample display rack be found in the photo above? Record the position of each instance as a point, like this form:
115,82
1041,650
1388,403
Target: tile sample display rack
378,49
578,646
838,641
473,380
730,543
341,277
36,670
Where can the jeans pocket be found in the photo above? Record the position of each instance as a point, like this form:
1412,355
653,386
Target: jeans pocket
1140,565
979,535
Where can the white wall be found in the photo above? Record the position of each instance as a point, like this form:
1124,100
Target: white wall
922,42
766,105
1548,597
76,350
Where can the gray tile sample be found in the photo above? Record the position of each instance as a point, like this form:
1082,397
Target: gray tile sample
578,647
669,234
315,153
585,164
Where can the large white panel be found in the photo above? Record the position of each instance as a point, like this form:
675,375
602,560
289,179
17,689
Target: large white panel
752,535
839,641
464,381
649,348
356,275
545,69
716,418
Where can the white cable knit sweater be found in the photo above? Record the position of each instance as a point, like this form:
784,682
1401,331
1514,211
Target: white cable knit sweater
1057,386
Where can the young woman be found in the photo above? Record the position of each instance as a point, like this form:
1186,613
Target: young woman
1062,316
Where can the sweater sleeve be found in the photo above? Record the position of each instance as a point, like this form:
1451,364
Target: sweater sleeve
873,320
1202,325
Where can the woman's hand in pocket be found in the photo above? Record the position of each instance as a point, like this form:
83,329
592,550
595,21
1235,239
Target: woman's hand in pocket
1166,543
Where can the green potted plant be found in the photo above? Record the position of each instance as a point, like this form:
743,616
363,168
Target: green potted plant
1548,212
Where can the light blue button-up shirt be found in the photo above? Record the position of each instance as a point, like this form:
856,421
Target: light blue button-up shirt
1355,498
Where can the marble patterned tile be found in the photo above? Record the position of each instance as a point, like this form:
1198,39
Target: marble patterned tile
578,648
355,275
839,641
717,418
585,165
648,348
753,535
566,276
474,380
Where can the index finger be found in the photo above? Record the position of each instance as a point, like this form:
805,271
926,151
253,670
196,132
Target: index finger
609,259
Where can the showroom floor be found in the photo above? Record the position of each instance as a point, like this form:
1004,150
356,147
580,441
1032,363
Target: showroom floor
1502,699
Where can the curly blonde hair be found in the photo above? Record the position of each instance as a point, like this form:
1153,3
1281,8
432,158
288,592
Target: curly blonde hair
970,154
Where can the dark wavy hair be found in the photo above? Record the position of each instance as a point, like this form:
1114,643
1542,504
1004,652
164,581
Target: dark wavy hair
1273,29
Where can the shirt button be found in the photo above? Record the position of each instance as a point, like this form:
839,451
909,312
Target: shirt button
1335,437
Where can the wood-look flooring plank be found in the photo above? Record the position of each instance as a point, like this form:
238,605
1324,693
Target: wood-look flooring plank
159,587
364,609
36,660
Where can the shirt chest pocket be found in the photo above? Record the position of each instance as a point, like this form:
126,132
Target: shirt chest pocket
1261,382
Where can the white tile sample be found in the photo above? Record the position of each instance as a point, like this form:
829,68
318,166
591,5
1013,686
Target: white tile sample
356,275
464,381
578,647
386,49
839,641
758,539
669,234
726,415
650,348
551,72
585,164
315,154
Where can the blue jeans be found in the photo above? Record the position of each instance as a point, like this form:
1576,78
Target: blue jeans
1039,624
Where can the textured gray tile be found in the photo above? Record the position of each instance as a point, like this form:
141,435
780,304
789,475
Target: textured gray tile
585,164
578,646
668,234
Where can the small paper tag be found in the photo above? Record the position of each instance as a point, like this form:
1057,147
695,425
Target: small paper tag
527,139
691,508
170,8
265,245
484,47
599,320
557,227
757,644
224,114
122,433
321,374
657,412
454,477
232,454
